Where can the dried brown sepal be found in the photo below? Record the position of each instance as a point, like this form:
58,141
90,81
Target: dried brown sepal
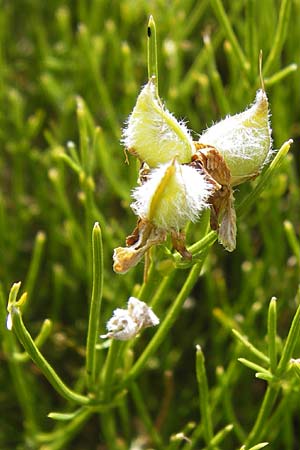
144,236
214,163
227,230
178,242
223,216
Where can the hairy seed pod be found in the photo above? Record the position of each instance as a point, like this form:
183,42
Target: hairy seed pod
153,134
244,140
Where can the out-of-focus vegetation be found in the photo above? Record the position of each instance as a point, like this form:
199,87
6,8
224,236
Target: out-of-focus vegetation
70,72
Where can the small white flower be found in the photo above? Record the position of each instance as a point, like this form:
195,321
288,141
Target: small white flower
125,324
244,140
121,326
173,195
141,313
153,134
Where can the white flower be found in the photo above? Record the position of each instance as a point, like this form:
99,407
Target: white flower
153,134
173,195
244,140
125,324
121,326
142,313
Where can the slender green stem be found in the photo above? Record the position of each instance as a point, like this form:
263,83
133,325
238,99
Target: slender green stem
251,37
250,347
272,390
225,22
244,206
220,436
280,75
200,246
204,396
69,431
281,32
149,284
292,239
95,307
254,366
162,288
19,378
291,340
39,340
257,446
263,415
83,134
272,334
169,320
109,431
34,353
108,373
215,78
152,53
35,262
144,415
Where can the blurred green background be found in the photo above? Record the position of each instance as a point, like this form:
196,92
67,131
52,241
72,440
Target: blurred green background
70,72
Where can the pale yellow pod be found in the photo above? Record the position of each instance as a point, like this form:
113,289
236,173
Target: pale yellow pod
153,134
244,140
173,195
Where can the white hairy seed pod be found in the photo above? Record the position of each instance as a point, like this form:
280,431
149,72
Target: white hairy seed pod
244,140
125,324
173,195
152,132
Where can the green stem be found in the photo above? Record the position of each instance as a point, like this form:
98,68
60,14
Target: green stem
149,284
255,367
272,390
292,239
152,53
34,264
200,246
69,431
45,331
251,37
272,333
144,415
220,436
204,396
34,353
108,372
291,340
162,288
281,31
109,430
83,135
280,75
18,376
169,320
224,20
94,317
264,413
244,206
250,347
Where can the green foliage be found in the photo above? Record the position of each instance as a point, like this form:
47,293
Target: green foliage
70,75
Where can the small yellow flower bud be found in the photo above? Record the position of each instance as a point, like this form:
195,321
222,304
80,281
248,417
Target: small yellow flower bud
244,140
153,134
